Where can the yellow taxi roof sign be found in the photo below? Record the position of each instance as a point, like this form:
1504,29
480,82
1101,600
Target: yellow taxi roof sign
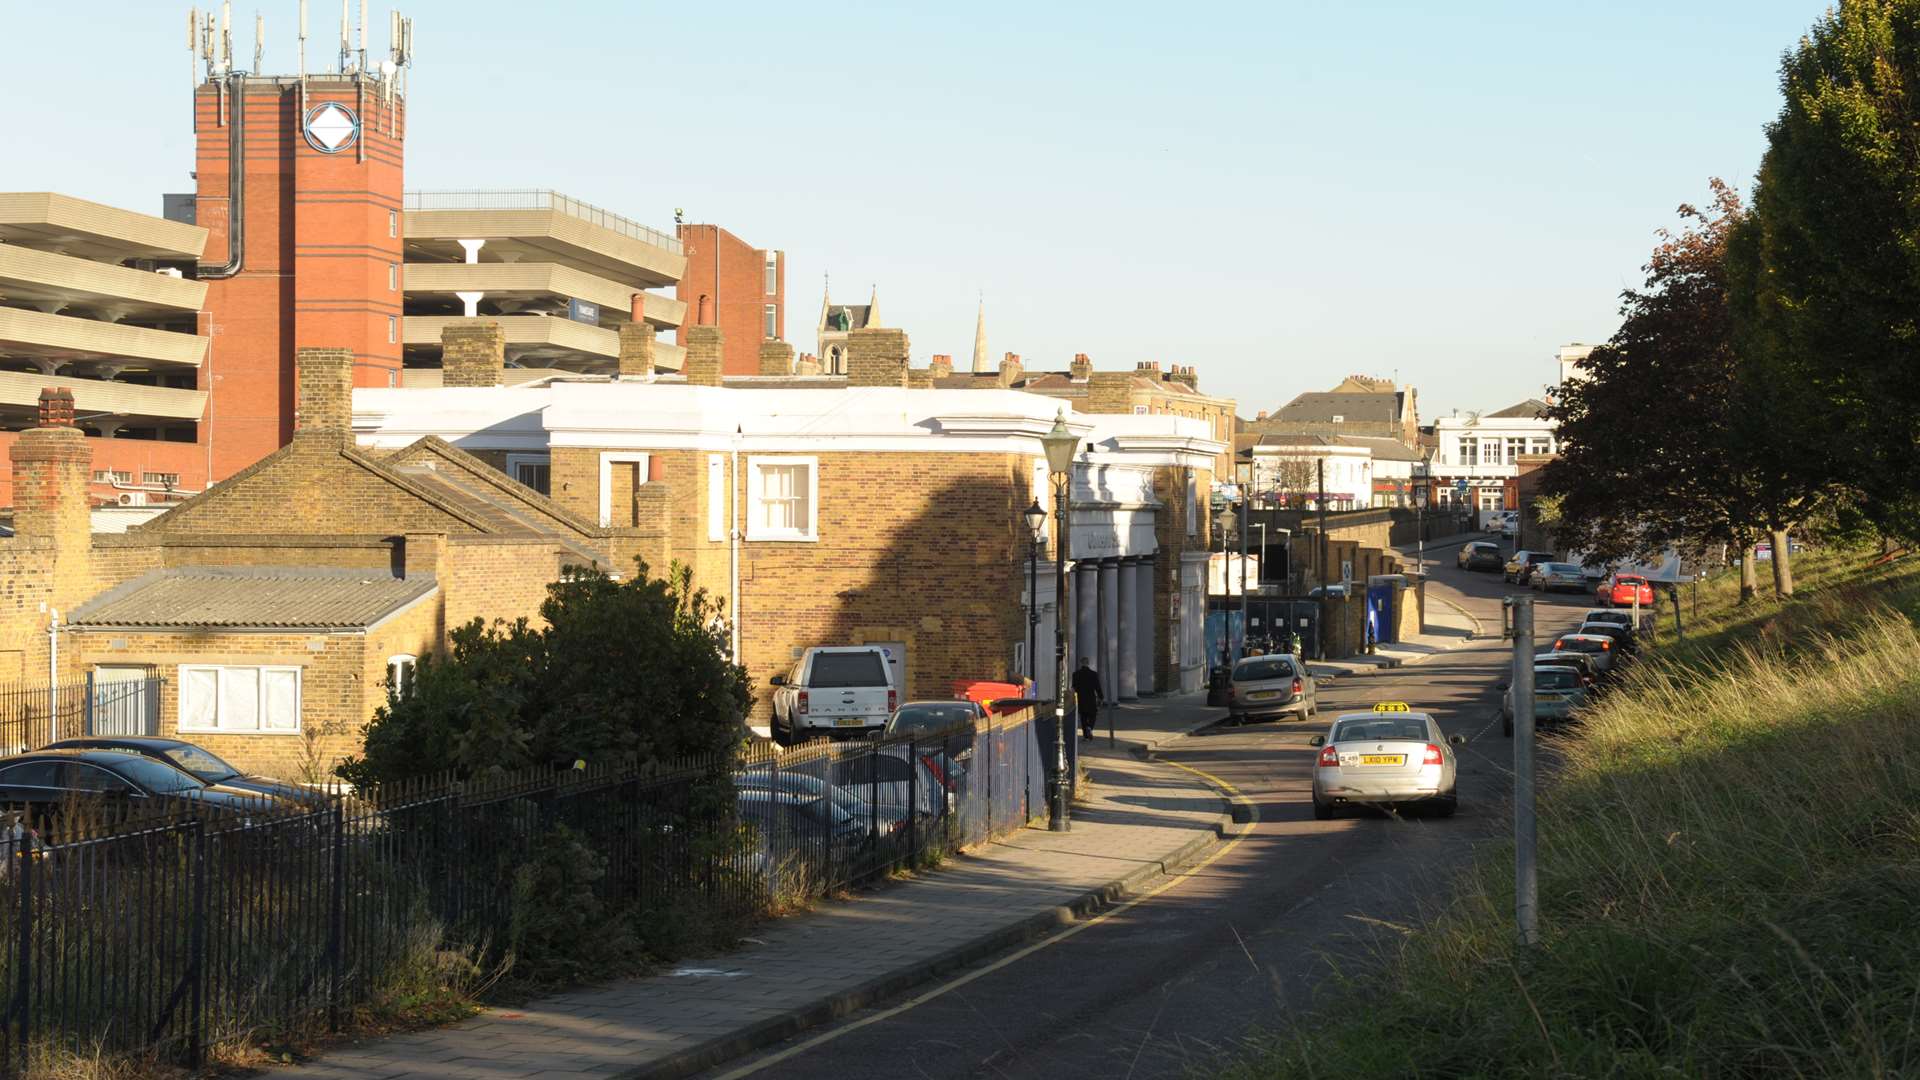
1391,706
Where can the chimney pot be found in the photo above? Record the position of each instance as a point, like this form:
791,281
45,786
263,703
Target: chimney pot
56,407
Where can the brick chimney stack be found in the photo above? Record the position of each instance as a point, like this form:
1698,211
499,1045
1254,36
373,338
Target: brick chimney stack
941,366
635,360
1081,368
776,357
51,465
808,364
473,353
877,356
323,399
706,348
1011,370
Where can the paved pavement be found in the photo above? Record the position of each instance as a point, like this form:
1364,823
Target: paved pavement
1140,820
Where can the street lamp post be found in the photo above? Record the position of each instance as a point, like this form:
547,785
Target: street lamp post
1060,444
1420,523
1036,527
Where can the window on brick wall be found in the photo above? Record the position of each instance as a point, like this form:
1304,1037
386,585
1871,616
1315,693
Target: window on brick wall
533,470
393,329
239,700
782,498
393,223
164,479
773,321
773,276
400,674
393,277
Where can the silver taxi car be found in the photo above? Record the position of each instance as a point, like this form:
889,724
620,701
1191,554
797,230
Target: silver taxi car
1391,756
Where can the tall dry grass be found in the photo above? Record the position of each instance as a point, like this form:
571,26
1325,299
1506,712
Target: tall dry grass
1730,879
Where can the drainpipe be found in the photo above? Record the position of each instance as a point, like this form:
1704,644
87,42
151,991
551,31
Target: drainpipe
236,181
734,485
53,676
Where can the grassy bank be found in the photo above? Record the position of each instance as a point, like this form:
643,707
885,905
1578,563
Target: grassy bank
1730,872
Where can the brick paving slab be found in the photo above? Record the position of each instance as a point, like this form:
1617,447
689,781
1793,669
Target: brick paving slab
1140,819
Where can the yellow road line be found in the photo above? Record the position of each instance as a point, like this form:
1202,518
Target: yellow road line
1023,953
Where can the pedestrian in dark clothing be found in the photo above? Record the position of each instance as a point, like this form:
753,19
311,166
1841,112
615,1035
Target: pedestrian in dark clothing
1087,696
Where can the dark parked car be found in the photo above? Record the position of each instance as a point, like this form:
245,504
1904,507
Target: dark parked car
115,784
203,764
1481,555
880,820
956,718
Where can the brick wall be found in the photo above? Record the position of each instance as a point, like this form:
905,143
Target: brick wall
487,579
316,485
877,357
732,274
472,353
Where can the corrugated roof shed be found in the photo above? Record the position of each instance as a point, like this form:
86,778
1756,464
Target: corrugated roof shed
255,598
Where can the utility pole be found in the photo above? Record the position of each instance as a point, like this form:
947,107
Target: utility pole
1526,886
1326,549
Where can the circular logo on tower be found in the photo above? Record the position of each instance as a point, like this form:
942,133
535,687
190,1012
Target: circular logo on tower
331,127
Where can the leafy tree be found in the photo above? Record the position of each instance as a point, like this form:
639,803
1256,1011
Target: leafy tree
634,667
1832,293
1672,439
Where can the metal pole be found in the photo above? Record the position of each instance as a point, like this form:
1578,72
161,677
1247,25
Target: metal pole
1526,886
1246,527
1326,548
1033,614
1420,526
1058,819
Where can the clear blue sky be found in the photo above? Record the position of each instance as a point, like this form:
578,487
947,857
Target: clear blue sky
1278,193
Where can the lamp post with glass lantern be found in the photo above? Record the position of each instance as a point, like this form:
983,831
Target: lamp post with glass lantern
1036,525
1420,523
1060,444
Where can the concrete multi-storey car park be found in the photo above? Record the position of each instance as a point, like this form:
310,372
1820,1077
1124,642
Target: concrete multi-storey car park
96,301
558,275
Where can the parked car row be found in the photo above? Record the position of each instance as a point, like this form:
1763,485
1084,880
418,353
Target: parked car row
112,780
1575,666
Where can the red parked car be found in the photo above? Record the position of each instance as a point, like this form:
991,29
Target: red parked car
1618,590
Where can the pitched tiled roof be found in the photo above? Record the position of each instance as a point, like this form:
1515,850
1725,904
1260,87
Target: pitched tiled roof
1375,408
264,597
1530,409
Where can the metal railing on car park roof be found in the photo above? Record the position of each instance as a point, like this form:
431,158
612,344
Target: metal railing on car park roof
540,199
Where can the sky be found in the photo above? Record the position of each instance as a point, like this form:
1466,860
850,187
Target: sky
1279,194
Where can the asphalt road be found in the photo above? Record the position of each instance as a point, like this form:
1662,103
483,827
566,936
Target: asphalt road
1158,988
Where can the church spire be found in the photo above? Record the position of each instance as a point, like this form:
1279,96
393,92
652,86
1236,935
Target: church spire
873,307
980,338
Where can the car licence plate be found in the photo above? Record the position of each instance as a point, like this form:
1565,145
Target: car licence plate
1553,697
1262,695
851,721
1383,759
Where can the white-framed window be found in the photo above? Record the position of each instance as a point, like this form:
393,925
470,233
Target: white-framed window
1469,450
393,277
233,699
773,275
533,470
783,496
772,329
400,674
393,223
393,329
1542,446
607,462
716,497
393,378
1489,451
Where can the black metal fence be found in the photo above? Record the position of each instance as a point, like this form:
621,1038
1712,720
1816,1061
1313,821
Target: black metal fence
162,937
32,716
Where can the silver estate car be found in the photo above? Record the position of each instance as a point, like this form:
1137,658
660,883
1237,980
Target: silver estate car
1557,691
1270,686
1548,577
1391,756
1599,649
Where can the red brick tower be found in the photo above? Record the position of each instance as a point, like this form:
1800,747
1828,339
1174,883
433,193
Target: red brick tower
317,260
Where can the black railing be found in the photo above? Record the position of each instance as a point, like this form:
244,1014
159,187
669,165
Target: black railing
33,716
159,937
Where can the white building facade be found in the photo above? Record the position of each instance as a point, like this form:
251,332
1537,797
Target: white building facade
1483,452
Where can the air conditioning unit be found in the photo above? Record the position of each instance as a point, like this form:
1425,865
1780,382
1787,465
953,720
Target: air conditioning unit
133,498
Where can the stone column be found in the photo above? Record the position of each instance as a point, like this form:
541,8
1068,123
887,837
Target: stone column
1126,672
1086,624
1109,660
1148,613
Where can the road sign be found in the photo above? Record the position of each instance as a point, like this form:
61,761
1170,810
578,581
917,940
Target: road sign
1346,571
1460,487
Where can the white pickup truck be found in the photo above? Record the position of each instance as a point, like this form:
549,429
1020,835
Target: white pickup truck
842,688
